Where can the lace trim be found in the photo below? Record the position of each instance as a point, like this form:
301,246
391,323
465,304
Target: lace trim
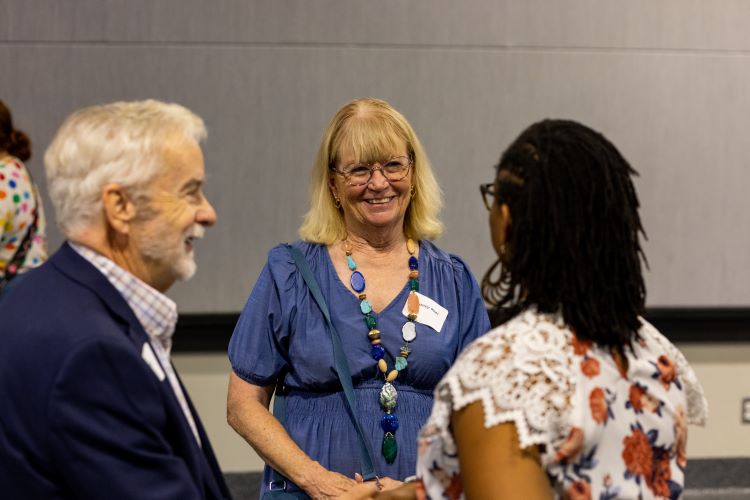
530,364
523,372
697,406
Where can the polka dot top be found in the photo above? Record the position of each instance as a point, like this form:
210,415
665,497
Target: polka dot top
18,197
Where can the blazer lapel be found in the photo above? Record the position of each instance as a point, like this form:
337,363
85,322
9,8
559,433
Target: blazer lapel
74,266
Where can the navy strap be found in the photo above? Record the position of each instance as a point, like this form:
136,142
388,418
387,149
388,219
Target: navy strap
341,365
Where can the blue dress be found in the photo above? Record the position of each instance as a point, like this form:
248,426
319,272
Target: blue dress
281,331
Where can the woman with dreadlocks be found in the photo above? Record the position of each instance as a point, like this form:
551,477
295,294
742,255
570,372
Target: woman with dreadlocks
575,395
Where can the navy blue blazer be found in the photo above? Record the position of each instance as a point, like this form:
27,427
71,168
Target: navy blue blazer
81,413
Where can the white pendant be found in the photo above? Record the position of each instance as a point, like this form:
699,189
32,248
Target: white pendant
409,331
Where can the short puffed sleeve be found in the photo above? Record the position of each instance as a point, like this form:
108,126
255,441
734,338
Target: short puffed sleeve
474,319
259,344
697,406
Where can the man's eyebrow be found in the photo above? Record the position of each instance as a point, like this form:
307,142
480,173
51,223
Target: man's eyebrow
192,184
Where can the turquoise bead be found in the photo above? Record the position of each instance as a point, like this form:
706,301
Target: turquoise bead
351,263
365,306
400,363
414,285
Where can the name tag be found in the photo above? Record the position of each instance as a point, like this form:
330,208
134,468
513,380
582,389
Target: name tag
430,313
150,358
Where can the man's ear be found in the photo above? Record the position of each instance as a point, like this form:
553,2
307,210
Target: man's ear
119,209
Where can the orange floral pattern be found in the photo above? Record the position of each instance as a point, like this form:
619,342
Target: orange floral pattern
590,367
680,432
667,372
598,405
621,429
571,447
580,347
637,453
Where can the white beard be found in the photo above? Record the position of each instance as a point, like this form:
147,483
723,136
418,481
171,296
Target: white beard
180,260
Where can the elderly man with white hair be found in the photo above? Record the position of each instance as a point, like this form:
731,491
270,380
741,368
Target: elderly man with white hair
92,406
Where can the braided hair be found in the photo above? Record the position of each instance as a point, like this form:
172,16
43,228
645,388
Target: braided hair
14,141
573,242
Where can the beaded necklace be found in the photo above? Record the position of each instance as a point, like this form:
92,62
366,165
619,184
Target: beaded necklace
388,394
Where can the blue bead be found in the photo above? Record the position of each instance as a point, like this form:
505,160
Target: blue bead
351,263
377,351
365,306
358,282
389,423
413,263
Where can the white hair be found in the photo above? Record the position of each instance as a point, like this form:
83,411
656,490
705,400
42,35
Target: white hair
121,142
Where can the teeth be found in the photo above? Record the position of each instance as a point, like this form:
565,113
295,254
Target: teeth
380,201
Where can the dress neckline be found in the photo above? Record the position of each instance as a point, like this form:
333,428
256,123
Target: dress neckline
352,297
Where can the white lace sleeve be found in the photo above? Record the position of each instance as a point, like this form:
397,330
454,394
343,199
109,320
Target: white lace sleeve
697,406
522,372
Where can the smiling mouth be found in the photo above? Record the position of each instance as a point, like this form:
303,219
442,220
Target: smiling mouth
380,201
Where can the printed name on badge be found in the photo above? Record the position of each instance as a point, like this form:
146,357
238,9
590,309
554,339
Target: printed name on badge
430,313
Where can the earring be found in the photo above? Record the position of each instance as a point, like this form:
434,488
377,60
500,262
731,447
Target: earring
336,201
412,191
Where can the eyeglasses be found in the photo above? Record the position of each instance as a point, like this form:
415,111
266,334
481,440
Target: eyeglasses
359,174
488,194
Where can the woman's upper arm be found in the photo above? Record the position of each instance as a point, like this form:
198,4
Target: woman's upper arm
492,463
241,391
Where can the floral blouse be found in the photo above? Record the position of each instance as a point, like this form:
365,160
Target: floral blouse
603,433
18,198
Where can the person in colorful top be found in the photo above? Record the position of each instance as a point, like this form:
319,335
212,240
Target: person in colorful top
576,395
23,244
403,307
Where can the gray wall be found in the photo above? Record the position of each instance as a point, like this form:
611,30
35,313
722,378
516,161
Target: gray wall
666,81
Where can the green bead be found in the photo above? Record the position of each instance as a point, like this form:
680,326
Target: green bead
370,321
414,285
390,448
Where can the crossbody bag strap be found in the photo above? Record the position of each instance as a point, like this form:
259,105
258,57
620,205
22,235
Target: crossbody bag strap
340,362
278,482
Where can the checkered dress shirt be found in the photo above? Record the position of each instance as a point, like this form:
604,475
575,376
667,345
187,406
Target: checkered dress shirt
156,312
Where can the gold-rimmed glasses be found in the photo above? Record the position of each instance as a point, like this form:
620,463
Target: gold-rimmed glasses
359,174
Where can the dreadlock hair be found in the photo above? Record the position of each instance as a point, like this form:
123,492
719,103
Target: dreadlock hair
573,242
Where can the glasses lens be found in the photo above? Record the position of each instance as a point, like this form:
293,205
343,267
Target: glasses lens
488,194
360,174
396,169
356,175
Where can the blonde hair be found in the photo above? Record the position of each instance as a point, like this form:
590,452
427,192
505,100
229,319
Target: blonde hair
372,129
121,142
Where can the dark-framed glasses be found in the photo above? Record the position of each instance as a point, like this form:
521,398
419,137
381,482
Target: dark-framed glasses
488,194
359,174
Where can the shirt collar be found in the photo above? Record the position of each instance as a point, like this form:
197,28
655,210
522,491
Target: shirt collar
156,312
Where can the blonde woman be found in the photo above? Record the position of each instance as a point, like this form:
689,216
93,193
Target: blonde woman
403,307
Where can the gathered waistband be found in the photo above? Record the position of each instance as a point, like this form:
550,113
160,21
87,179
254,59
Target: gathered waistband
410,400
